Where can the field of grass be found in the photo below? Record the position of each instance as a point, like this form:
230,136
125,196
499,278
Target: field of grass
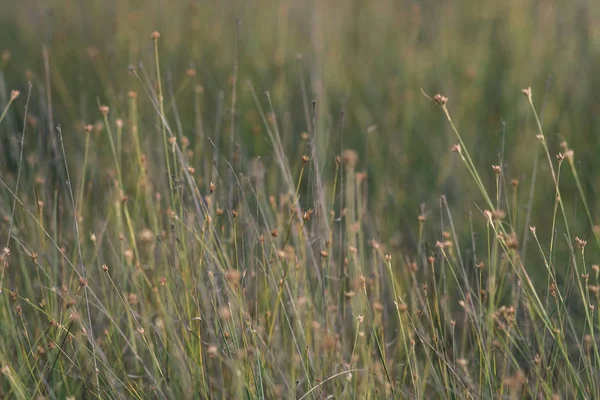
299,200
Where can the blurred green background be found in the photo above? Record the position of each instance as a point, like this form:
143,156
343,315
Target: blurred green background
368,59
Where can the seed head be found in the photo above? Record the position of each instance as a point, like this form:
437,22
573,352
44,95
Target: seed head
440,100
498,215
581,243
14,94
104,110
155,35
307,214
527,92
457,149
212,188
350,157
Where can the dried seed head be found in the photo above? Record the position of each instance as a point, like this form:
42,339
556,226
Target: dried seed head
498,215
104,110
350,157
5,252
585,277
552,290
305,159
274,233
234,214
560,157
212,187
191,72
145,236
515,183
581,243
132,299
129,256
132,94
457,149
497,169
440,100
232,276
14,94
212,351
88,128
307,214
511,241
324,254
83,281
527,92
363,282
155,35
487,214
338,160
532,229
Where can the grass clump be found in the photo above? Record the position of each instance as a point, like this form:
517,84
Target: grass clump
153,257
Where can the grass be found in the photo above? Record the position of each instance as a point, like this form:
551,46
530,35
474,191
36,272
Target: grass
189,235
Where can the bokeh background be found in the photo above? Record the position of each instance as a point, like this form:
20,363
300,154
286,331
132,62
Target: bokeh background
367,59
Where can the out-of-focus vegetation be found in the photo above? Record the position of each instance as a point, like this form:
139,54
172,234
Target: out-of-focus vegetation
165,238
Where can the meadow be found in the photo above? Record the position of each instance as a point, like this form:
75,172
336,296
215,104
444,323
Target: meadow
299,200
